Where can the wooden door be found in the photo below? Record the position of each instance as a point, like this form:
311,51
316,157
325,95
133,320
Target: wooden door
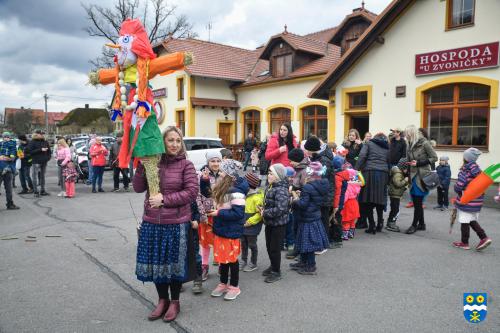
225,133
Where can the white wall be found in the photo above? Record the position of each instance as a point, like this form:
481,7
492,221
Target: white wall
213,88
206,121
170,102
421,29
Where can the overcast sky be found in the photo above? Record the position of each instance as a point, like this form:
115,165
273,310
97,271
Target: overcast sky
44,48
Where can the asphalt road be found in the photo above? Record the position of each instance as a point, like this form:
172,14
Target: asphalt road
385,283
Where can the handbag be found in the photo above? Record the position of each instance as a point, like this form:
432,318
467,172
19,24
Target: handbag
431,180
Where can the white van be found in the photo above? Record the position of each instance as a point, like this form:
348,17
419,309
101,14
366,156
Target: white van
197,148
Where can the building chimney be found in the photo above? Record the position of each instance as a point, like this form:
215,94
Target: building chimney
86,106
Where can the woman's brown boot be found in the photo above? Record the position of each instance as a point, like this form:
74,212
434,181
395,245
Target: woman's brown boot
173,310
160,309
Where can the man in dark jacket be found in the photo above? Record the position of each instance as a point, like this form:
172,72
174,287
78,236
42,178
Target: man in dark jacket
24,172
397,148
248,146
320,153
7,158
113,157
39,150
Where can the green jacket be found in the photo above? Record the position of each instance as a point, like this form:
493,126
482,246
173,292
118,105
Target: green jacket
398,183
424,154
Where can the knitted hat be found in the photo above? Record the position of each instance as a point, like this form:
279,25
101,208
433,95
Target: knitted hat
226,153
252,179
213,154
338,161
296,155
472,154
231,167
315,170
22,137
342,151
402,163
6,134
444,158
278,171
313,144
290,172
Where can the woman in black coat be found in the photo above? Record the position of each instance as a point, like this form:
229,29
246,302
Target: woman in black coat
373,162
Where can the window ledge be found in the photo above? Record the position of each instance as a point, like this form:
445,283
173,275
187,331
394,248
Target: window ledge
459,148
469,25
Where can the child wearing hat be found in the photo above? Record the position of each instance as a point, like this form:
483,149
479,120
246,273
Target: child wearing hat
253,223
397,187
311,235
275,214
314,149
468,214
229,195
209,175
444,172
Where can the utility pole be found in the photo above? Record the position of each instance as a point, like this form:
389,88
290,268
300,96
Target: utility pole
45,97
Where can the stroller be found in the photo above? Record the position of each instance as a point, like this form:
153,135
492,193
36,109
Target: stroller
81,162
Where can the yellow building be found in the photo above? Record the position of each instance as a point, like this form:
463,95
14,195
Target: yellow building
429,63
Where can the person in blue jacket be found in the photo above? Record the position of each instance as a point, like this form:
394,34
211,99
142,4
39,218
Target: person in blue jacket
444,172
311,234
229,195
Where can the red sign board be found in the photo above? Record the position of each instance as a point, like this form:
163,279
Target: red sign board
461,59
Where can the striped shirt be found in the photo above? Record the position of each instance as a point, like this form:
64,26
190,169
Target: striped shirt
467,173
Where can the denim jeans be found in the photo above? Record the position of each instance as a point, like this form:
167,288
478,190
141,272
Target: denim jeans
290,231
25,178
60,177
7,184
247,159
38,176
91,172
98,171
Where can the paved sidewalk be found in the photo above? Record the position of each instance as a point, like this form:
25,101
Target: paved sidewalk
389,282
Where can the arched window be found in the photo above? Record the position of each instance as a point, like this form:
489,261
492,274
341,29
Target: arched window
458,114
315,122
251,120
277,117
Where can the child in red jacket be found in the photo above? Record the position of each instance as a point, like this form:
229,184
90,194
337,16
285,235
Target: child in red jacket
350,213
341,179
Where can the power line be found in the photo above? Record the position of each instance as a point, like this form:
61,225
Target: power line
76,97
38,100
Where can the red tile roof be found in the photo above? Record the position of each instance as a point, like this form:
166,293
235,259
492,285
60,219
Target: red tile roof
37,115
297,42
211,102
323,35
215,60
315,67
382,22
251,67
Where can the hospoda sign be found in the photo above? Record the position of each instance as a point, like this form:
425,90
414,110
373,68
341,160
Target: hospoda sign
475,307
455,60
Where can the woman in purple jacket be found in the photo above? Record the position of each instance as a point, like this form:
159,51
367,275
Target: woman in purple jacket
165,251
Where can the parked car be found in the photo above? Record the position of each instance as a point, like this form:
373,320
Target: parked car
197,148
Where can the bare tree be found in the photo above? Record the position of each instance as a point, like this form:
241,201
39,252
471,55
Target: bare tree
157,16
